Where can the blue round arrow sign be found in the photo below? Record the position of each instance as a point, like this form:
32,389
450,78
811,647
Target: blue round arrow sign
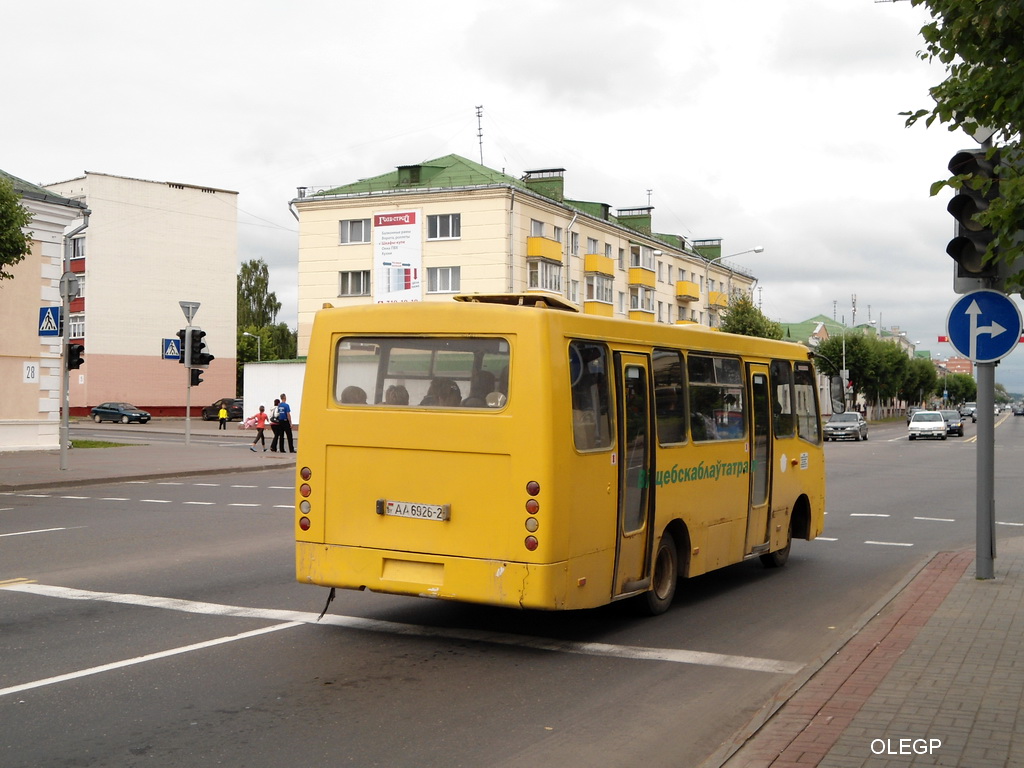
984,326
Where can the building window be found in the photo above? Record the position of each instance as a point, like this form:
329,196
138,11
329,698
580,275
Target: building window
78,248
599,288
641,298
355,231
608,250
592,245
641,256
558,234
574,291
574,243
444,279
354,283
536,228
622,259
544,275
76,326
622,302
445,226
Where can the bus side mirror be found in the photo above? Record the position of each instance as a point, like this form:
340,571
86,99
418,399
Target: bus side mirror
837,394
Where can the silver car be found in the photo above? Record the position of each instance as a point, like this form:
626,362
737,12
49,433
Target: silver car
927,424
846,426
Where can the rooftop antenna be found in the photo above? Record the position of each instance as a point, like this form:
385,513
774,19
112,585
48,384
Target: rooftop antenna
480,130
649,197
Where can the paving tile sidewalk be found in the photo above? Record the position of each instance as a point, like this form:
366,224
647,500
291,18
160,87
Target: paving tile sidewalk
936,678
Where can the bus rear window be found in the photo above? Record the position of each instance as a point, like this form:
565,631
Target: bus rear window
422,372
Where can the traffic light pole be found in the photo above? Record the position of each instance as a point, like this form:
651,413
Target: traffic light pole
985,543
188,387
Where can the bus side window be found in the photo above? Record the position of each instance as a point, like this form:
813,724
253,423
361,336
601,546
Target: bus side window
808,420
591,417
782,398
669,399
717,410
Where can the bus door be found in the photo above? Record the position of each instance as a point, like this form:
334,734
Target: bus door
635,453
758,518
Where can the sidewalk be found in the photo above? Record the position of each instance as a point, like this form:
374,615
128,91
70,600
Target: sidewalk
147,457
934,678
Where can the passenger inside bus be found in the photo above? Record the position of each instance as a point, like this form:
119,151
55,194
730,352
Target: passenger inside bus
444,392
353,395
480,386
396,394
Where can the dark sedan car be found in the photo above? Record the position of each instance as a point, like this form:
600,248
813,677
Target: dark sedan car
846,426
123,412
233,404
954,422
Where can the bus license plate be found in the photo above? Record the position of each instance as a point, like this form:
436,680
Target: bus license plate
417,511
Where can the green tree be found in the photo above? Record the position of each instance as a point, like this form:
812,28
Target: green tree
960,387
858,353
981,44
15,241
890,369
257,304
744,318
921,379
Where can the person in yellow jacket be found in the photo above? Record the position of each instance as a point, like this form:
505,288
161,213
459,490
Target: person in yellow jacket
223,416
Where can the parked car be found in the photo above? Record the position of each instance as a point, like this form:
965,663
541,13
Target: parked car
954,422
846,426
927,424
911,411
123,412
233,404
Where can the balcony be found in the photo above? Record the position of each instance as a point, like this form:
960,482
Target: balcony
544,248
718,299
599,308
595,262
687,290
641,276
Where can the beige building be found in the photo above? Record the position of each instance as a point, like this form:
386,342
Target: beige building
446,226
30,364
150,245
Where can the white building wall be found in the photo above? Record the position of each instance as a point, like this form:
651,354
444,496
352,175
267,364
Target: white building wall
150,245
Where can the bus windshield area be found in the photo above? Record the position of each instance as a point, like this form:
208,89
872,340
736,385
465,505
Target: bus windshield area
417,371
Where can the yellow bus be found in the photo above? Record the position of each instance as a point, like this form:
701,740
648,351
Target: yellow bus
509,450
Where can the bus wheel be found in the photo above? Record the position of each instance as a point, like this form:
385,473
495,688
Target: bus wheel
778,558
665,577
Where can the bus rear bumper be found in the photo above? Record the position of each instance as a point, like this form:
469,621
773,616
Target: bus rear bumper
488,582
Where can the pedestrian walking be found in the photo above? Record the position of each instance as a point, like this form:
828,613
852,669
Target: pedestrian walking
261,424
284,418
223,416
277,444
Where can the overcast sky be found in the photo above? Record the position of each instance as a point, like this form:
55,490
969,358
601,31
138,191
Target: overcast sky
770,124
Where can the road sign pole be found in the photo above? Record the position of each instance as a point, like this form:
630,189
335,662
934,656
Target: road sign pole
188,387
985,543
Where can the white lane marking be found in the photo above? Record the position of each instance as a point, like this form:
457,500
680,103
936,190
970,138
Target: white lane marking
114,498
24,533
937,519
245,505
35,495
284,506
889,543
208,485
76,497
169,482
677,656
201,503
281,487
1016,525
245,486
867,514
142,659
825,538
156,501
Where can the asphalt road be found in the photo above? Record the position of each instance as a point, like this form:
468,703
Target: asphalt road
158,624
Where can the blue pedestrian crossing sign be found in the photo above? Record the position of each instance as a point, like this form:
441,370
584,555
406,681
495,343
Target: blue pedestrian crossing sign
49,321
171,349
984,326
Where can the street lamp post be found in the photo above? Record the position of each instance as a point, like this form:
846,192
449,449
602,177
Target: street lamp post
707,270
259,355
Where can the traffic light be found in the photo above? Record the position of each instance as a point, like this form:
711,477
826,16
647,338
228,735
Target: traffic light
75,358
182,344
195,377
971,240
197,357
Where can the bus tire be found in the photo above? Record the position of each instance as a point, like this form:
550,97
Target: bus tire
779,557
664,577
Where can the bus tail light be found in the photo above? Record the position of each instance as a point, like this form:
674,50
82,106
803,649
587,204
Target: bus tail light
304,523
531,543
